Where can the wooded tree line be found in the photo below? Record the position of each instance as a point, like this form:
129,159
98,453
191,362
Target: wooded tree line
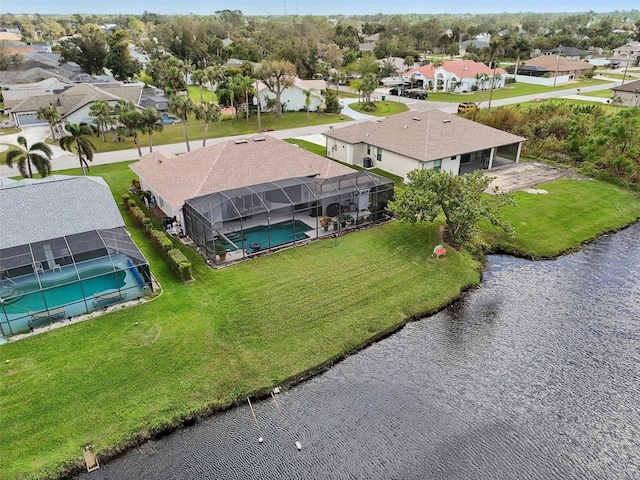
311,43
599,140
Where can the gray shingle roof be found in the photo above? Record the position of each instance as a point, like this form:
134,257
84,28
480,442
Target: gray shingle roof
425,136
55,206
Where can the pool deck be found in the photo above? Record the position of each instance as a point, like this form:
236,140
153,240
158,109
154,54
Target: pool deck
315,232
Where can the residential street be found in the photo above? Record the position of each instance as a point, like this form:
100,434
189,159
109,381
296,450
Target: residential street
63,160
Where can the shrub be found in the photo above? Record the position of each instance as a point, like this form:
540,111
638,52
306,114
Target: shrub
369,107
179,264
125,199
147,224
138,215
161,240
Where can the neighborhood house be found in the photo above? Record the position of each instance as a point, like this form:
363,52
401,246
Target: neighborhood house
52,269
256,194
420,140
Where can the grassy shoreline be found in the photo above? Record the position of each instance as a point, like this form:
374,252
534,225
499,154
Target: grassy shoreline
117,380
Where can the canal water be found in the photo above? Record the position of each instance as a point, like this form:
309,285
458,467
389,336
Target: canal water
535,375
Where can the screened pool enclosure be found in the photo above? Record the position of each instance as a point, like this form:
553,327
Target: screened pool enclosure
64,251
270,215
64,277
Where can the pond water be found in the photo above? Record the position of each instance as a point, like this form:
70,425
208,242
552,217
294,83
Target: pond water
535,375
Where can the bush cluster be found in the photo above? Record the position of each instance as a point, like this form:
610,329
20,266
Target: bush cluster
175,258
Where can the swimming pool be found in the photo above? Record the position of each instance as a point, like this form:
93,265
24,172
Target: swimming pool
33,300
268,236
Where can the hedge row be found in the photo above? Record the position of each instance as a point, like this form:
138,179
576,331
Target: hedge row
175,258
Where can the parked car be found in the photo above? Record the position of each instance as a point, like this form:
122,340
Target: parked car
393,91
418,94
465,107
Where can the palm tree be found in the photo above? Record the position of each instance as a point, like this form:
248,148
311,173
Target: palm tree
78,137
187,68
151,121
206,113
215,75
230,90
38,155
245,84
132,121
198,77
368,85
338,78
182,106
101,111
51,115
307,99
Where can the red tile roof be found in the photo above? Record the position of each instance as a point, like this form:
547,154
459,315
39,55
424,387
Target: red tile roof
460,68
227,165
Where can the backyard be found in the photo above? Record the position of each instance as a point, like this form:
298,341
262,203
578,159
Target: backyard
116,380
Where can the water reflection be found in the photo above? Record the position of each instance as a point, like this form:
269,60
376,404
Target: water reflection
534,375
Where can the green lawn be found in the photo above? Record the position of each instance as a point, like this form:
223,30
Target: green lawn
515,90
237,126
383,108
3,155
607,93
200,346
572,213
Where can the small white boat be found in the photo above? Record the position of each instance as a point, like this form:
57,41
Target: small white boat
392,81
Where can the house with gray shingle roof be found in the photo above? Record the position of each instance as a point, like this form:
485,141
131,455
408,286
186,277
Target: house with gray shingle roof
422,140
67,233
74,102
629,93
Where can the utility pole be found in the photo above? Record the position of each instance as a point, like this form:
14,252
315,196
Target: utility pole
555,77
626,67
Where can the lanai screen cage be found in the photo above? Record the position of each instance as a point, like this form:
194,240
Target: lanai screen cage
58,278
270,215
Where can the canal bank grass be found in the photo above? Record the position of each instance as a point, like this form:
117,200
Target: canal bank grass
119,378
572,213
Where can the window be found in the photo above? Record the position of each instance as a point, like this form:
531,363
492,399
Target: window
437,165
368,149
379,157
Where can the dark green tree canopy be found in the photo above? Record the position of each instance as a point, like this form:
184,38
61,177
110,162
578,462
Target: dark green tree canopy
461,198
88,48
119,60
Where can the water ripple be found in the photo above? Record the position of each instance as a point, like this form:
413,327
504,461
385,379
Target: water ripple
535,375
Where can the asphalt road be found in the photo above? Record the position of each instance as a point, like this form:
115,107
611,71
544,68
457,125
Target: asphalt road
63,160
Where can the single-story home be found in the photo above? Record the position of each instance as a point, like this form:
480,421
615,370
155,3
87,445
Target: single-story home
556,66
629,93
74,102
293,98
421,140
456,76
64,251
256,191
572,53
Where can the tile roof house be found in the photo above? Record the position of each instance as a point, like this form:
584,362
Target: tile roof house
627,55
456,76
232,164
74,102
555,65
417,140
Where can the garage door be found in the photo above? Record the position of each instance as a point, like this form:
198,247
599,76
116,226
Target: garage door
26,119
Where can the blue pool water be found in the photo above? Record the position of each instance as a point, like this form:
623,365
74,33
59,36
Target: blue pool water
278,234
70,289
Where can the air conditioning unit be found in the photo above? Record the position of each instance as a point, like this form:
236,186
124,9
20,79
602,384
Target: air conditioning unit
367,162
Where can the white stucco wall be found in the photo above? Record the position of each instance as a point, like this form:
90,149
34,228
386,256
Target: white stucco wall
292,98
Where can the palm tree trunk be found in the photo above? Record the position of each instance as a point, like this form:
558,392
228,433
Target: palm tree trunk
81,163
246,97
184,131
205,127
53,133
200,86
150,142
29,166
137,144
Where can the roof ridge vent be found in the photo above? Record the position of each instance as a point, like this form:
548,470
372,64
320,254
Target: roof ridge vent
417,119
446,120
259,139
240,141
